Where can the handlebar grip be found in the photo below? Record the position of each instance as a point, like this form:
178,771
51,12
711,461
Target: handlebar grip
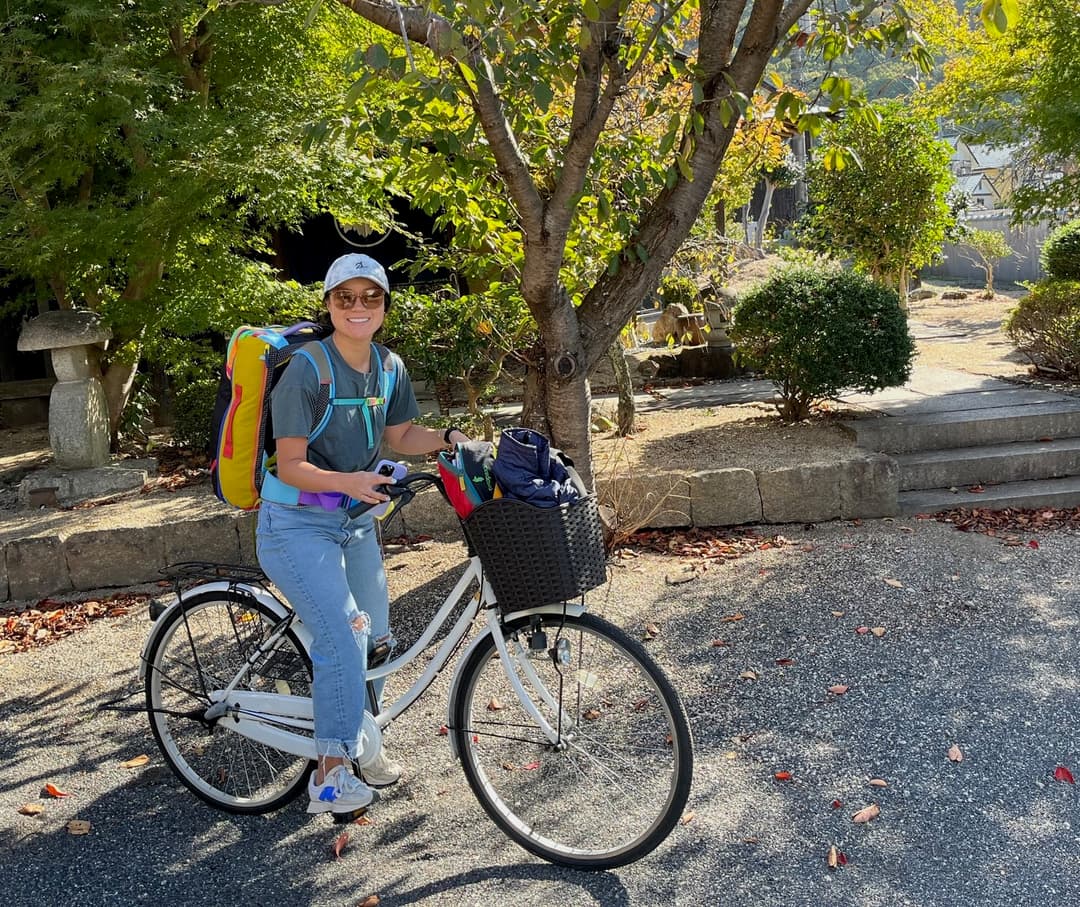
400,489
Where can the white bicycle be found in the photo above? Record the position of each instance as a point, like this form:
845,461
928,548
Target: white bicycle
571,737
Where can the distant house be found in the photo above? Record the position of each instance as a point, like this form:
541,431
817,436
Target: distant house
978,189
1003,166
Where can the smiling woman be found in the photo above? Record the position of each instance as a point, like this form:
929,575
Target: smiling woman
327,562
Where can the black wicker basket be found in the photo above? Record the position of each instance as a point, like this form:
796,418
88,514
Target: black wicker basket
536,556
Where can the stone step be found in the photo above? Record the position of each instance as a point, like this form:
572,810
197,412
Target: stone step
996,463
968,428
1015,495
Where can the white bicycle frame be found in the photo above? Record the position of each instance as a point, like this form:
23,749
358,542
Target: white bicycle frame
269,717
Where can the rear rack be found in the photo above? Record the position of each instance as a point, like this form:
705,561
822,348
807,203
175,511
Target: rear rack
192,570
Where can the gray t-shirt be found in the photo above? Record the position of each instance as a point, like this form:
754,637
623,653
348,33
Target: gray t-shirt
347,444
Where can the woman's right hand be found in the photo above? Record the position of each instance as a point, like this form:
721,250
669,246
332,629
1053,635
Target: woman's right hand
365,487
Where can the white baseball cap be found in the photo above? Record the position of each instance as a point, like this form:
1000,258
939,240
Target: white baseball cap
355,265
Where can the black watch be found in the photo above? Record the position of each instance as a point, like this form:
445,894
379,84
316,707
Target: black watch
446,434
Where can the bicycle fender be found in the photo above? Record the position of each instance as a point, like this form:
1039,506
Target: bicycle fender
302,633
571,610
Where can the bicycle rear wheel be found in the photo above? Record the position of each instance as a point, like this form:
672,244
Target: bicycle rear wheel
615,786
201,647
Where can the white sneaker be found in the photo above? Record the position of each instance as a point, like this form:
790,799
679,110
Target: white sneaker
340,792
382,772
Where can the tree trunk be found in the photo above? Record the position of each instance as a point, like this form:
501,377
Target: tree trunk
763,218
624,419
118,380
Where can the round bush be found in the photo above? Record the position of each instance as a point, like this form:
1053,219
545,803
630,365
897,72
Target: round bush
1060,256
681,290
1045,326
194,412
815,333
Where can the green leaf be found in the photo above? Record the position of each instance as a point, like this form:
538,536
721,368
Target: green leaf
592,10
584,38
543,94
998,15
726,111
312,12
376,57
684,167
468,75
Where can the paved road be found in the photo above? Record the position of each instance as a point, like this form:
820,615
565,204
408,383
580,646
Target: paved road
979,650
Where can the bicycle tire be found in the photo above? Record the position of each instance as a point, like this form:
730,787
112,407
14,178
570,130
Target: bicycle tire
620,785
200,646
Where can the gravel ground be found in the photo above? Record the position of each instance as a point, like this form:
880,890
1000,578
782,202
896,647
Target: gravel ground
978,650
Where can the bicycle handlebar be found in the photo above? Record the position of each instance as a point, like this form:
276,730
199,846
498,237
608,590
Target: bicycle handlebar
401,490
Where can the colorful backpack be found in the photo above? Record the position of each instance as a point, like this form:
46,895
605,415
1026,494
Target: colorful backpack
243,437
468,475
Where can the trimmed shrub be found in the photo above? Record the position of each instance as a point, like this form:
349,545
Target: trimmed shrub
815,333
193,413
1045,326
1060,256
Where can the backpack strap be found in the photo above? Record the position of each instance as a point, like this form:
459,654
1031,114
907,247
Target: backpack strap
317,354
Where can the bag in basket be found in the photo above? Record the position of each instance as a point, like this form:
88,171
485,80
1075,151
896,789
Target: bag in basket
468,475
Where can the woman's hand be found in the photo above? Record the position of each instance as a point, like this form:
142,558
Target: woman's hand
365,487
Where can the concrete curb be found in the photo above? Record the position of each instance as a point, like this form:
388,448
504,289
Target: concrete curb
51,563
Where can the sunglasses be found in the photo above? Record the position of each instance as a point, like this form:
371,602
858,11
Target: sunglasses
370,299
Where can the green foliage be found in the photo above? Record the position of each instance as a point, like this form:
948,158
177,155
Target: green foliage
889,210
1045,326
989,246
149,149
815,333
682,290
193,412
1060,256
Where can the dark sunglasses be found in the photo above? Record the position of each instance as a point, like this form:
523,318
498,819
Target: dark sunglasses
370,299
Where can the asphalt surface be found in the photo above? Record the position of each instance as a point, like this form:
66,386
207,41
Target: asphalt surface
979,650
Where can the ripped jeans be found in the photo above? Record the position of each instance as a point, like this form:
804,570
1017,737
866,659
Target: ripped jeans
330,569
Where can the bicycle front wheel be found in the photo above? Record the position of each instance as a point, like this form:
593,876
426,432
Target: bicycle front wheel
201,647
614,785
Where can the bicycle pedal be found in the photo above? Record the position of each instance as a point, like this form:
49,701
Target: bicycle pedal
352,816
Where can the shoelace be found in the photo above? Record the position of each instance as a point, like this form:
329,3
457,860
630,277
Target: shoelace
344,782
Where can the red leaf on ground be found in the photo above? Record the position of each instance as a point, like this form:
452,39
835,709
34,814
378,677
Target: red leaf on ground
1063,774
530,766
976,489
443,731
785,662
719,643
862,631
53,791
339,844
1033,544
836,804
782,776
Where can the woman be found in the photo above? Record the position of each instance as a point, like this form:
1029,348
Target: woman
329,565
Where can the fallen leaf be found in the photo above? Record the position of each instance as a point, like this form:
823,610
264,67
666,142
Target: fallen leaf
731,754
955,754
339,844
862,631
878,782
785,662
494,705
719,643
508,766
361,820
1063,774
53,791
878,631
531,766
135,761
651,631
976,489
839,689
442,731
687,817
895,583
31,809
748,675
372,900
78,827
835,857
836,804
1033,544
782,776
837,613
866,814
732,618
590,714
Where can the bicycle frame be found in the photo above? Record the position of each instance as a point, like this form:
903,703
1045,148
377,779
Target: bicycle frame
284,722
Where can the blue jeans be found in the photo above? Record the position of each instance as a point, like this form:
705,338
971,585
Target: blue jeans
330,569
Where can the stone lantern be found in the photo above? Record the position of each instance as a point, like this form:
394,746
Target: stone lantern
78,411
